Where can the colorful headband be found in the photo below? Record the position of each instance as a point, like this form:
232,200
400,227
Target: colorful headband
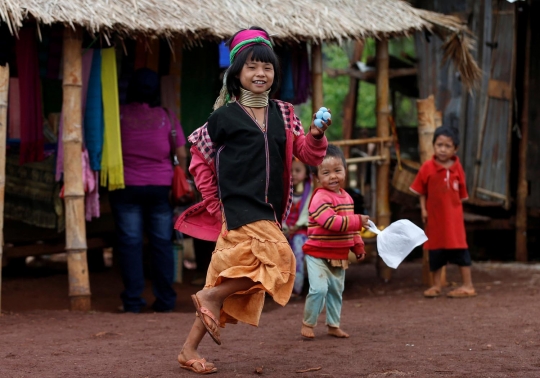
247,38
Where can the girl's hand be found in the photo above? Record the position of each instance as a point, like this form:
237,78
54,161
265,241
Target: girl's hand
365,219
318,132
360,257
424,215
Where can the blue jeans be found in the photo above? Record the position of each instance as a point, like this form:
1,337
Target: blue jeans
326,284
297,242
137,209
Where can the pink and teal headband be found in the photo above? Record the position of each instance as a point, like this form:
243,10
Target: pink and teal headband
247,38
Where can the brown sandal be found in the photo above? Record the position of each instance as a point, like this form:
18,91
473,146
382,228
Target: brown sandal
188,365
461,293
432,293
205,313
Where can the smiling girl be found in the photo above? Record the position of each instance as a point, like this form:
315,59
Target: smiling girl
241,163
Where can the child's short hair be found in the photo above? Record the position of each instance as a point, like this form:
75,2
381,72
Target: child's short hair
259,53
335,152
449,132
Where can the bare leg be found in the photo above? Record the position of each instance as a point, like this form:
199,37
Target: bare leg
466,277
337,332
212,299
435,290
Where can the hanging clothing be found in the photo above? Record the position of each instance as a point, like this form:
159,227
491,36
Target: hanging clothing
54,61
301,73
14,109
93,118
287,84
90,184
32,139
112,168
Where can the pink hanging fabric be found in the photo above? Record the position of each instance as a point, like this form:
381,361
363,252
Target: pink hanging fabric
91,188
32,140
14,109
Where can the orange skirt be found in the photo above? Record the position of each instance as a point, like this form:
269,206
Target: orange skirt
260,252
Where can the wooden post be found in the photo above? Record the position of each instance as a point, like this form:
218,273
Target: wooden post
79,285
4,90
316,77
349,107
523,187
383,130
426,127
428,120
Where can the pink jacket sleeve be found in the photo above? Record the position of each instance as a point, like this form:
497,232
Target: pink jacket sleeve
206,182
310,150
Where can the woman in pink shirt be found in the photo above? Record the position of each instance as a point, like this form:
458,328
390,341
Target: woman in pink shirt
143,206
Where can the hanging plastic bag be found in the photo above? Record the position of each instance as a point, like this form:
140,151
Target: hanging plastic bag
396,241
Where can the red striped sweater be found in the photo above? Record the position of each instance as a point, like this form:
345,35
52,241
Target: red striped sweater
332,224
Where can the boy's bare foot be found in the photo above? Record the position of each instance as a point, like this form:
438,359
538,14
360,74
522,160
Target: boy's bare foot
337,332
307,332
187,355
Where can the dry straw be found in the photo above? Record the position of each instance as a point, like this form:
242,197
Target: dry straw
286,20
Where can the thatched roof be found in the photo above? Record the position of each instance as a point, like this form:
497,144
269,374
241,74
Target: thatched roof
286,20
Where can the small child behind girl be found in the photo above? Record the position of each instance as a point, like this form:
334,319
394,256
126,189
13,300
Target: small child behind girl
241,163
332,231
295,227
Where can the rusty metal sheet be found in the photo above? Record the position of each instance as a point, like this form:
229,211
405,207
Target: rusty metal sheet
492,171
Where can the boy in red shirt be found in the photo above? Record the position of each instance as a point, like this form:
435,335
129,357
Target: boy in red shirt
441,186
333,230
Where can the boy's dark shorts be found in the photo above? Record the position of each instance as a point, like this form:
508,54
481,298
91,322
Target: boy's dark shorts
440,257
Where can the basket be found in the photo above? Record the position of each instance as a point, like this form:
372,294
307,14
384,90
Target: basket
403,179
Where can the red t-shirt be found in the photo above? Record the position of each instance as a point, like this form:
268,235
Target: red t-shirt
444,190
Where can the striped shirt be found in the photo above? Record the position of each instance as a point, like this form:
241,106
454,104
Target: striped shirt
332,224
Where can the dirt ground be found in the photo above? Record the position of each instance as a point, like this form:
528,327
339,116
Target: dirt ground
395,332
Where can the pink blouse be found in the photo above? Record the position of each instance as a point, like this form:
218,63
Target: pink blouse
147,144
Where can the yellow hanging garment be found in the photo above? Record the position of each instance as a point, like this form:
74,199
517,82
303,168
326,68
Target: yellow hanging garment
112,166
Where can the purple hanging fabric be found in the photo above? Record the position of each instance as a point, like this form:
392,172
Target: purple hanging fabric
32,140
54,58
301,73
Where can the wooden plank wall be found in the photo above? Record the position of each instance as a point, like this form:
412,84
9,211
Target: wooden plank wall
496,123
467,110
475,101
436,78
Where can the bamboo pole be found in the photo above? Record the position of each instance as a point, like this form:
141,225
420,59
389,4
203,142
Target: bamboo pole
349,108
79,286
4,90
316,77
383,131
522,189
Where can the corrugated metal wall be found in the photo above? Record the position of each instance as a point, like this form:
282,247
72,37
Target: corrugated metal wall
483,116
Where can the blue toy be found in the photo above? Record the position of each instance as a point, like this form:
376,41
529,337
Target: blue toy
322,115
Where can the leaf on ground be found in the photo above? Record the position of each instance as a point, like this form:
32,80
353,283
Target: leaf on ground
308,370
259,370
105,333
